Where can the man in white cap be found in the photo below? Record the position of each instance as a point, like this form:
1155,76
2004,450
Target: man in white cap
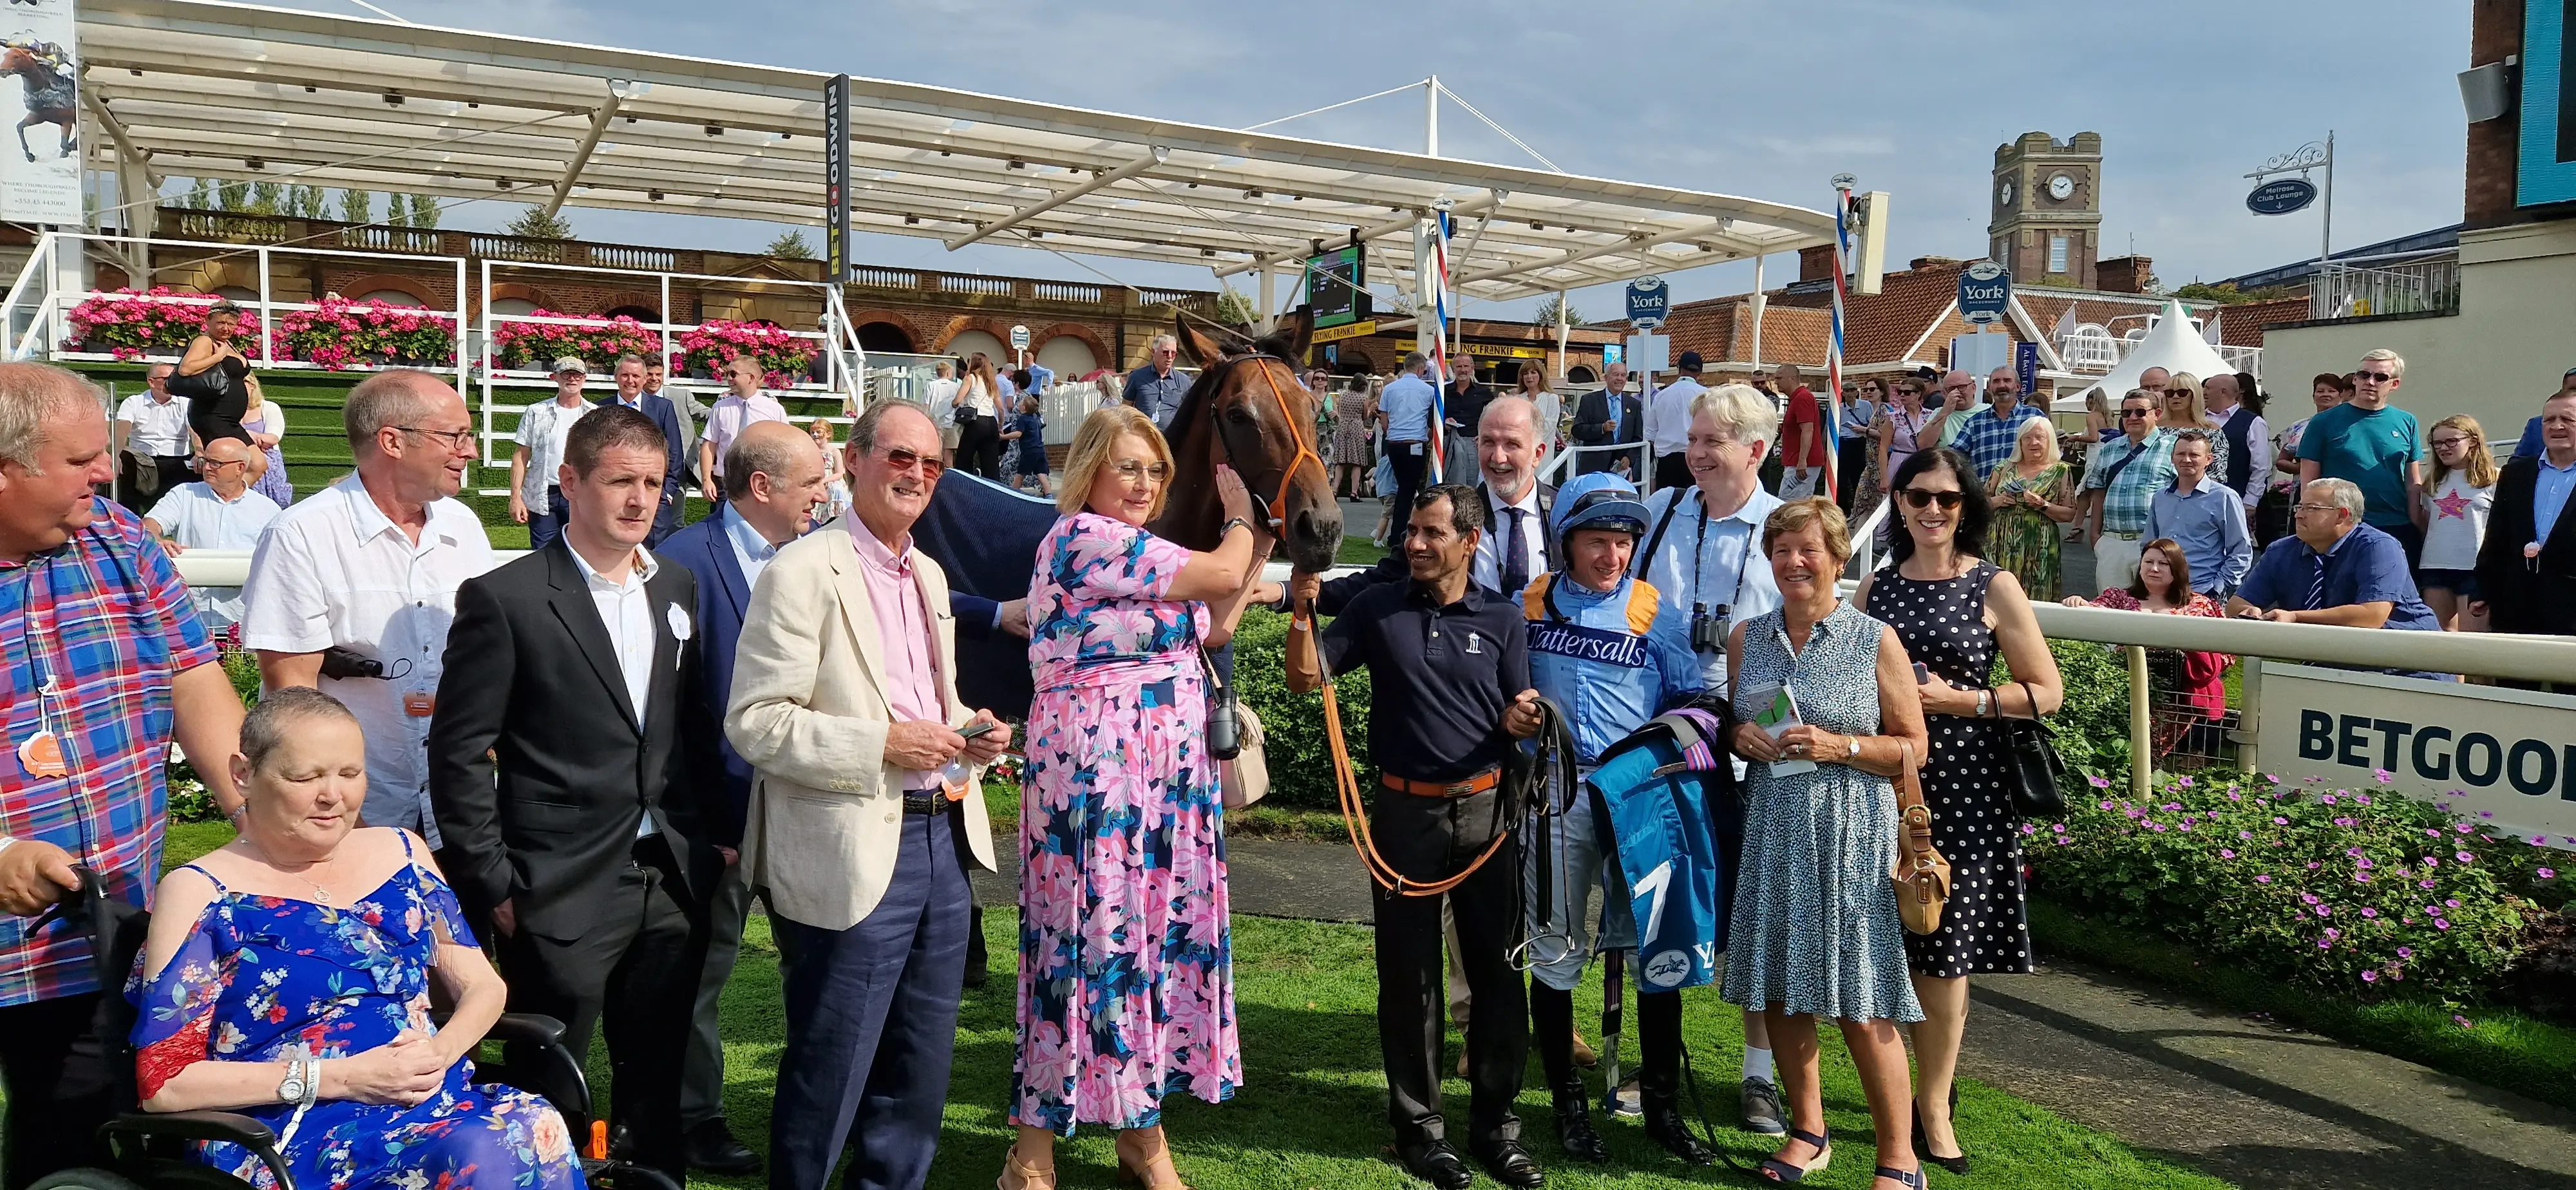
534,500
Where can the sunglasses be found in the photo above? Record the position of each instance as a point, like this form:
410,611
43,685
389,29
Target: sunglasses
2177,392
2136,412
905,460
2381,377
1917,498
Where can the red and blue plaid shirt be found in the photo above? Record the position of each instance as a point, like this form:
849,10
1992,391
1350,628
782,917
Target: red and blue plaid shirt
106,617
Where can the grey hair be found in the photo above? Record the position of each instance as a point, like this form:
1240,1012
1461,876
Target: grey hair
2343,493
393,397
1507,403
863,432
1159,340
2396,363
1742,411
30,394
277,711
1414,359
628,358
748,453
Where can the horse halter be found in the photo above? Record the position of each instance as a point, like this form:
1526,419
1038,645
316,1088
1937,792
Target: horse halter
1272,511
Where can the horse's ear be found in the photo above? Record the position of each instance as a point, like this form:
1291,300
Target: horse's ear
1196,346
1298,329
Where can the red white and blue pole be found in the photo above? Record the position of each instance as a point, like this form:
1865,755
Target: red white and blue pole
1833,395
1437,290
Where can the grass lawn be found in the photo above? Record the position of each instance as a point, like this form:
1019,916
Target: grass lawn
1312,1112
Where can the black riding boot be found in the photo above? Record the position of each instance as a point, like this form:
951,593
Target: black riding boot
1552,1026
1659,1077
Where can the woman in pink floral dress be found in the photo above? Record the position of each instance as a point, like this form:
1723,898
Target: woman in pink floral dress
1126,986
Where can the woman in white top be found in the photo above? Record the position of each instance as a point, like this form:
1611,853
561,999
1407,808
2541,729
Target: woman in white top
2453,515
979,425
1533,381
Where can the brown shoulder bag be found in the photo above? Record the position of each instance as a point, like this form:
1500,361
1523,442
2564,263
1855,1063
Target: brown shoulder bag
1922,875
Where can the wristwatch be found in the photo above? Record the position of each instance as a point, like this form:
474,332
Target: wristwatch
299,1075
1851,747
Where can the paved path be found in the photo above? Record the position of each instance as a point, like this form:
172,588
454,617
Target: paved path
2244,1100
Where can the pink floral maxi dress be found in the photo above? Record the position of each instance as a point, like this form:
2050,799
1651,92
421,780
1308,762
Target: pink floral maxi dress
1126,986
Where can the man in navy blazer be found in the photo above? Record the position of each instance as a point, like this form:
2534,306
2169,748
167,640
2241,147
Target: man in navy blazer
773,478
630,393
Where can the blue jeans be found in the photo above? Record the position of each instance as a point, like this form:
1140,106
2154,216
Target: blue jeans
547,524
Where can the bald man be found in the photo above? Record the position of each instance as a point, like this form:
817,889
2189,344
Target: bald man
218,512
1958,399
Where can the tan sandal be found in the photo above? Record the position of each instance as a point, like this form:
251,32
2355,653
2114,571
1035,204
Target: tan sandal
1137,1174
1030,1176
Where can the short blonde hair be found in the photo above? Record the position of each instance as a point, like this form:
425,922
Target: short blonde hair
1095,441
2047,454
2396,363
1814,512
1741,411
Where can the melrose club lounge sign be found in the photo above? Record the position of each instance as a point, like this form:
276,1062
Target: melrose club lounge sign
2484,749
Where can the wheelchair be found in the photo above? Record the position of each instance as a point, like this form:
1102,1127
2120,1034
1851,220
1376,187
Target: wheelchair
149,1150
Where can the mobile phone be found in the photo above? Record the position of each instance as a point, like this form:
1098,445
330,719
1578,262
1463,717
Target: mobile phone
979,727
1922,674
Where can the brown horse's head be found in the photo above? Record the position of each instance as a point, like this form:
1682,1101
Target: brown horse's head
1248,410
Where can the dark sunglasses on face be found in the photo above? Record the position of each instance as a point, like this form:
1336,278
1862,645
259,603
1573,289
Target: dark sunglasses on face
1918,498
905,460
2177,392
2381,377
2135,412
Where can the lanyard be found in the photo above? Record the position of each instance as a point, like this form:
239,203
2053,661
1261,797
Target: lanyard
1743,559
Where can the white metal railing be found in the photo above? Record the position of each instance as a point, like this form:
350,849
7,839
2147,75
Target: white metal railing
2405,285
2094,350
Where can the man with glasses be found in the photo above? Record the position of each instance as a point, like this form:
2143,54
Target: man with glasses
1157,388
1958,403
219,512
534,499
2375,446
743,404
367,570
2127,473
2340,572
151,441
2526,568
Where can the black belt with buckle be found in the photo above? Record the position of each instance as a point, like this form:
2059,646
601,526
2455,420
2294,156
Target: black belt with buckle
931,802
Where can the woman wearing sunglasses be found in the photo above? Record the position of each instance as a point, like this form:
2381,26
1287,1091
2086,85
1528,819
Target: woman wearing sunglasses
1120,822
2186,406
1954,611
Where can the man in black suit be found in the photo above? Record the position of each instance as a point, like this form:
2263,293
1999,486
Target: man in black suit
2527,565
631,375
569,666
1611,415
1507,456
1463,405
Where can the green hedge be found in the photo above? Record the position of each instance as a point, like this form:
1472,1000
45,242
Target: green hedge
1301,771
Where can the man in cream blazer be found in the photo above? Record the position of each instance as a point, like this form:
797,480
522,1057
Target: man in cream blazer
845,704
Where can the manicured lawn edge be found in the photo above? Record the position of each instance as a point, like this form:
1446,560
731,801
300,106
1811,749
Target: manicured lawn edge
2499,1047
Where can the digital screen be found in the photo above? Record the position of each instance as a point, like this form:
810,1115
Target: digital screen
1337,287
2548,166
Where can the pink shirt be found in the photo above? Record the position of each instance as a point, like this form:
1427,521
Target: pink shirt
903,632
730,415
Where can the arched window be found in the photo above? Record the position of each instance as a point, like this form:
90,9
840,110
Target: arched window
638,313
239,293
1579,374
876,337
393,297
1067,356
521,306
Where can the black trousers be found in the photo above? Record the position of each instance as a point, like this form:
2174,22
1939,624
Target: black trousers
1848,465
61,1079
1431,839
634,977
1673,471
1410,468
979,446
144,483
702,1080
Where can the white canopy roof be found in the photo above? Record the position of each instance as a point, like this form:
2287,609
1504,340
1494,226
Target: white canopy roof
2171,344
202,88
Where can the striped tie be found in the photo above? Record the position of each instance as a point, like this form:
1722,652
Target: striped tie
2316,584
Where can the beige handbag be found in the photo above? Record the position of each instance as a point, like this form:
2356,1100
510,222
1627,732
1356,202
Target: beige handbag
1247,778
1922,875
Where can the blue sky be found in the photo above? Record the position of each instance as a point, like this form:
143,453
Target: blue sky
1766,100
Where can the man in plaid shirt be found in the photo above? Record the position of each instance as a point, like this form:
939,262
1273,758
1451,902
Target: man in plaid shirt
1987,436
2128,473
105,664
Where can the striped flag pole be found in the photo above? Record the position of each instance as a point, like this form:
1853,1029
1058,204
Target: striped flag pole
1439,289
1833,396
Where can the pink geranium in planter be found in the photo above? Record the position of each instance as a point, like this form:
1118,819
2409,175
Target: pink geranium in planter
784,357
132,323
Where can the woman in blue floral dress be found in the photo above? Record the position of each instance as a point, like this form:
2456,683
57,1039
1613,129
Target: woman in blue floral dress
287,977
1126,988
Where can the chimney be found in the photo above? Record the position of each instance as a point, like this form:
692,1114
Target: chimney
2126,274
1817,263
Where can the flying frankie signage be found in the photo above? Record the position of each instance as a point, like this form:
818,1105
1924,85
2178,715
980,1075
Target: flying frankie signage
2487,750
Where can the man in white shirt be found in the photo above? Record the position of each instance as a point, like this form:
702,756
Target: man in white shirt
742,405
543,427
219,512
370,565
151,441
942,401
1668,419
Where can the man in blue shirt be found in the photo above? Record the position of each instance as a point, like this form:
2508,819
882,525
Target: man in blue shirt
1157,388
2204,517
1406,405
2526,571
2339,571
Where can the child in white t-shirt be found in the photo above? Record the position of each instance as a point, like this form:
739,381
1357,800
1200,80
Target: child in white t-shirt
2453,514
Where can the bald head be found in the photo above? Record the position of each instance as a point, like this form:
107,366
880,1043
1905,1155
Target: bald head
773,475
2154,380
225,466
1507,446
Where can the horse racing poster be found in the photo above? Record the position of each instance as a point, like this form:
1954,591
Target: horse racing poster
40,175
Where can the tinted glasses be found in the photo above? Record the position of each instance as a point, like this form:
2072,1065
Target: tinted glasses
905,460
1918,498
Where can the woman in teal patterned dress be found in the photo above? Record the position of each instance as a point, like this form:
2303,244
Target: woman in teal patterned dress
300,956
1814,926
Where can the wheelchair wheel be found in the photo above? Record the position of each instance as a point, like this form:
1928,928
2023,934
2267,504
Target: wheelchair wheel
85,1179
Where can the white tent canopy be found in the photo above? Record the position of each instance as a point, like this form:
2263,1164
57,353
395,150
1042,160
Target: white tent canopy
203,88
2172,344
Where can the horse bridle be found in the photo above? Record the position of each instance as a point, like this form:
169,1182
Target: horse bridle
1272,511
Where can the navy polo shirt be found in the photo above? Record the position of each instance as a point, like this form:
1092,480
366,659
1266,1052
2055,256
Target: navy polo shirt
2367,566
1440,678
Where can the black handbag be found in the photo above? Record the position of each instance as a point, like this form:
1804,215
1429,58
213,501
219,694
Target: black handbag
207,387
2030,756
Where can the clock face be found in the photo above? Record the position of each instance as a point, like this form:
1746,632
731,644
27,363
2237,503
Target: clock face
2061,187
2005,195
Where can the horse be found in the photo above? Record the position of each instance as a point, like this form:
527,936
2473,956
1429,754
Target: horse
1246,410
47,78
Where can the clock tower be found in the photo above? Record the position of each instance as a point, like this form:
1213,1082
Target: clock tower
2047,221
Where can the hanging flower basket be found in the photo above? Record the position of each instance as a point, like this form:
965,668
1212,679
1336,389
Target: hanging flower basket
343,334
133,323
713,346
536,345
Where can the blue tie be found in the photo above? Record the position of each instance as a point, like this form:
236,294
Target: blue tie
2317,586
1515,554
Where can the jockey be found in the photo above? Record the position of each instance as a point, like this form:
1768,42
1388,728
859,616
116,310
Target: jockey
1605,649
